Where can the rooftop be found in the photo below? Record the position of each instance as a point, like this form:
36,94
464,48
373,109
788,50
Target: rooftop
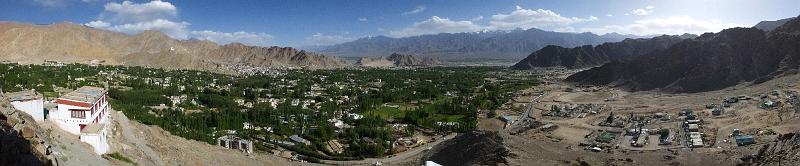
85,94
23,95
93,128
297,138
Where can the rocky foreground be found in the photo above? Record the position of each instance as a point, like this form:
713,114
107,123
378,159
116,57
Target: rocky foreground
785,151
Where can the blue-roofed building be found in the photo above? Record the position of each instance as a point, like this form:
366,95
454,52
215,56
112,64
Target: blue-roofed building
508,119
299,139
743,140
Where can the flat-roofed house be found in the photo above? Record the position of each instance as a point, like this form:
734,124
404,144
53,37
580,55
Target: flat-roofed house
694,128
29,102
96,134
79,108
234,142
84,112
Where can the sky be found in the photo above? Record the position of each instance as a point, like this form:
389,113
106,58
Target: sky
302,23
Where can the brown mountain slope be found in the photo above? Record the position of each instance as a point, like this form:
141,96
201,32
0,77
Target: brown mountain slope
412,60
374,62
709,62
396,60
73,43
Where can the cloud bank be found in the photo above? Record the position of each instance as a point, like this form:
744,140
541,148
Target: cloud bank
132,18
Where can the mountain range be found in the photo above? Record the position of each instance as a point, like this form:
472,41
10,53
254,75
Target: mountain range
74,43
513,44
709,62
589,56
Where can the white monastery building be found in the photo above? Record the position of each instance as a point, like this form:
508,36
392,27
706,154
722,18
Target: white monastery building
29,102
84,112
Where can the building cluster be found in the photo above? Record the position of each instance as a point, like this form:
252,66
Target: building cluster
237,143
692,126
574,110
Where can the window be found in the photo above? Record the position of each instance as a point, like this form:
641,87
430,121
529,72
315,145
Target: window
78,114
234,144
244,147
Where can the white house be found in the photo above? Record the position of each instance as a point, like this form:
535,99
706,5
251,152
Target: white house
84,112
96,134
81,107
234,142
29,102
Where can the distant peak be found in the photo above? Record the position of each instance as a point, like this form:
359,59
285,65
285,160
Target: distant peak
790,25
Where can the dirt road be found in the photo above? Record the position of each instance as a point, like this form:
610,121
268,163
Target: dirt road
397,158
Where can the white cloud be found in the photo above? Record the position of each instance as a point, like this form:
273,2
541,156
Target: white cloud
669,25
172,29
132,18
640,12
98,24
320,39
129,12
416,10
436,25
248,38
610,15
362,19
529,18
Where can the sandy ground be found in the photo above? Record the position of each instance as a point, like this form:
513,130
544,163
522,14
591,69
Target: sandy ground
70,150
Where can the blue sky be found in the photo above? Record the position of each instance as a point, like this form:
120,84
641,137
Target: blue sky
325,22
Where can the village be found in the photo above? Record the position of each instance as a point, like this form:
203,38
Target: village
333,116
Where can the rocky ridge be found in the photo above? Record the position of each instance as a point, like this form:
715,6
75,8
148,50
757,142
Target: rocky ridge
74,43
589,56
709,62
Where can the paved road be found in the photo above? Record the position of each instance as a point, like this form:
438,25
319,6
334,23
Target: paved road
527,115
127,133
400,157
